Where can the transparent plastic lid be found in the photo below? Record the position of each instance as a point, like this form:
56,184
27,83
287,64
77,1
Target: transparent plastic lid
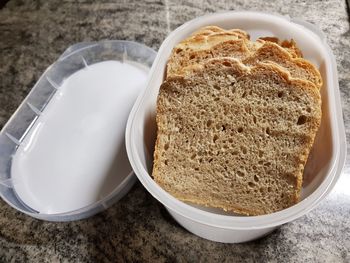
62,153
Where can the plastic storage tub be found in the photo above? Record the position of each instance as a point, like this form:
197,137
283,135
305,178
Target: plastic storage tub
327,157
76,58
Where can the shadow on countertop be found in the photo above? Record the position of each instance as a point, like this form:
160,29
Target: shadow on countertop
3,3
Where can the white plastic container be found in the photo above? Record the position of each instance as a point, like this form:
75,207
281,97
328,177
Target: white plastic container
326,160
62,153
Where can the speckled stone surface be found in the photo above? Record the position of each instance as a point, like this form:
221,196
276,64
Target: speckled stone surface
34,33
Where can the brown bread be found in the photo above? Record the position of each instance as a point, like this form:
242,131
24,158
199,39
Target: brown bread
235,137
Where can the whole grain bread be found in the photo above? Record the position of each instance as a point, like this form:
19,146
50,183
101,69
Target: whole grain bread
203,41
267,51
289,45
213,41
209,30
182,58
297,67
235,137
199,44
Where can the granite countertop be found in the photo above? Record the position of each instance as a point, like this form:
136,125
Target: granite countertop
138,228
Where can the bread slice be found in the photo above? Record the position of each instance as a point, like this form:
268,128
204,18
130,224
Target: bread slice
268,51
181,58
289,45
298,67
199,45
235,137
210,30
202,41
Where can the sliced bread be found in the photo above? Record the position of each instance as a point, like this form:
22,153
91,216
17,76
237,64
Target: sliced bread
297,67
289,45
181,58
235,137
268,51
202,41
209,30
